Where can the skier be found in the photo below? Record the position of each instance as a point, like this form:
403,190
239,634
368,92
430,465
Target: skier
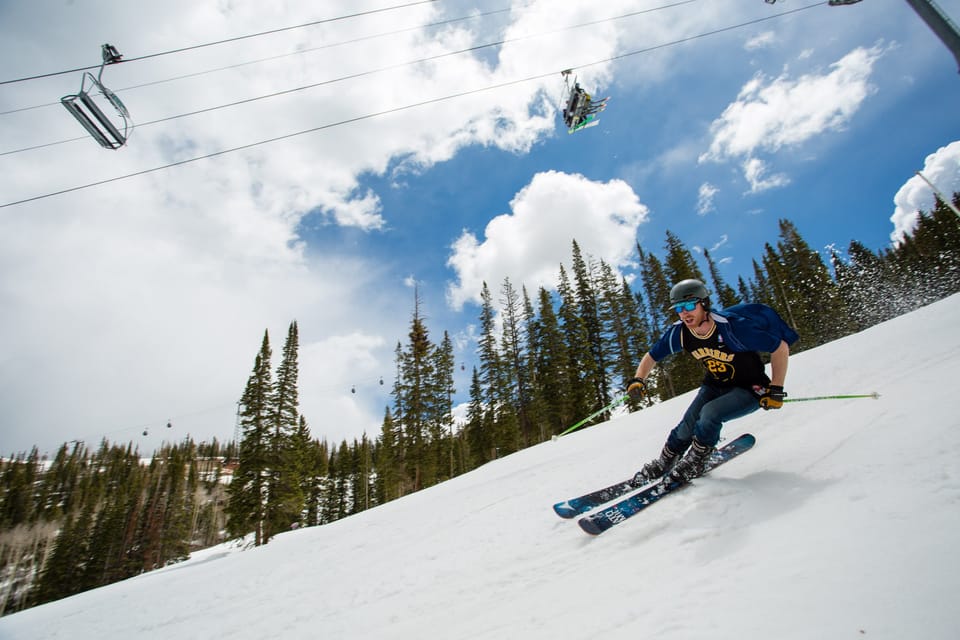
727,343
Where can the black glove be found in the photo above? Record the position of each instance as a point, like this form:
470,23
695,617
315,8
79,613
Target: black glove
773,397
636,389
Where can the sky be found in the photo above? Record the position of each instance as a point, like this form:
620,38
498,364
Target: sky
343,161
840,523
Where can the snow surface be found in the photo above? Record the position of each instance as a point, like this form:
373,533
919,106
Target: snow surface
842,522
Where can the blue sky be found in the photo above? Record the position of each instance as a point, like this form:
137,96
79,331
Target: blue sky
144,300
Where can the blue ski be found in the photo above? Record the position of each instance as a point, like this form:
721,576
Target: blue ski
588,502
630,506
575,506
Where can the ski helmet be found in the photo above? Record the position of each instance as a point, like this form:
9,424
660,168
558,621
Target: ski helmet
691,289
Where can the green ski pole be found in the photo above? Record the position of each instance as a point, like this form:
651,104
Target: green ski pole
873,395
592,416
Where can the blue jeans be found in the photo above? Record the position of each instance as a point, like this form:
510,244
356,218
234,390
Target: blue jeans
706,414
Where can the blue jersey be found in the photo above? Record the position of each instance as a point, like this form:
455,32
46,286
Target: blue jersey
740,329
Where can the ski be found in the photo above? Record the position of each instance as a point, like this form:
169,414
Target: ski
575,506
598,522
588,502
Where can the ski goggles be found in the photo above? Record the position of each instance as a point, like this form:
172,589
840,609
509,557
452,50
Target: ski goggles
686,305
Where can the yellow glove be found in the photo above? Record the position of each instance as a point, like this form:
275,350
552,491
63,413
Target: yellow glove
637,389
773,397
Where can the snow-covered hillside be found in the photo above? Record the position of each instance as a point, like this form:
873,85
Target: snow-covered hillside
842,522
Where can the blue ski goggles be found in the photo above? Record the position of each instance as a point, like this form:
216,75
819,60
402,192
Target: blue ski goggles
686,305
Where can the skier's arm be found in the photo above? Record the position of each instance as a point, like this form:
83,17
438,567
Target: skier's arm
778,364
637,387
646,366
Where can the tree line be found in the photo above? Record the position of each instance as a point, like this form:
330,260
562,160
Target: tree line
544,361
88,518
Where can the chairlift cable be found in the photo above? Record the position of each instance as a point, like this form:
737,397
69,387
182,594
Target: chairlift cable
226,40
361,74
422,103
238,65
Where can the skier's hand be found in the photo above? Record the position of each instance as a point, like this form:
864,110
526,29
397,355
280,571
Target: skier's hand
773,397
636,389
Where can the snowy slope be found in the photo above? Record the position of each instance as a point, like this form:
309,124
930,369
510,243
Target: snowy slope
842,522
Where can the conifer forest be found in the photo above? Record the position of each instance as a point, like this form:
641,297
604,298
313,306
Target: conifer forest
98,513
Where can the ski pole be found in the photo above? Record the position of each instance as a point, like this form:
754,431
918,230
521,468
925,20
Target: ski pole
873,395
592,416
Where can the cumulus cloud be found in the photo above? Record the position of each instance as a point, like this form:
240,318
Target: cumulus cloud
770,114
942,168
529,244
155,290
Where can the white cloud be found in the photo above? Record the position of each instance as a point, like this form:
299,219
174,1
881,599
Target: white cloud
755,172
148,296
339,378
719,243
529,244
705,197
760,41
770,114
942,168
120,311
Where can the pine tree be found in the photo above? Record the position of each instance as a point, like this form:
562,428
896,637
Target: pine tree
535,406
577,351
335,502
862,282
657,291
180,478
684,373
302,451
724,294
552,373
390,483
444,390
843,276
15,492
413,405
499,418
62,576
516,382
743,290
761,289
248,490
114,539
928,258
285,498
656,288
479,439
680,263
804,289
639,336
318,475
364,494
594,358
617,314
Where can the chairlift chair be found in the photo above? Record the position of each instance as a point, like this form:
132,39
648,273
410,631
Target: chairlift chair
580,109
82,106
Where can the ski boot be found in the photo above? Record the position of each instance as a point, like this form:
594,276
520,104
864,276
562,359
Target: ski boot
656,468
693,464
